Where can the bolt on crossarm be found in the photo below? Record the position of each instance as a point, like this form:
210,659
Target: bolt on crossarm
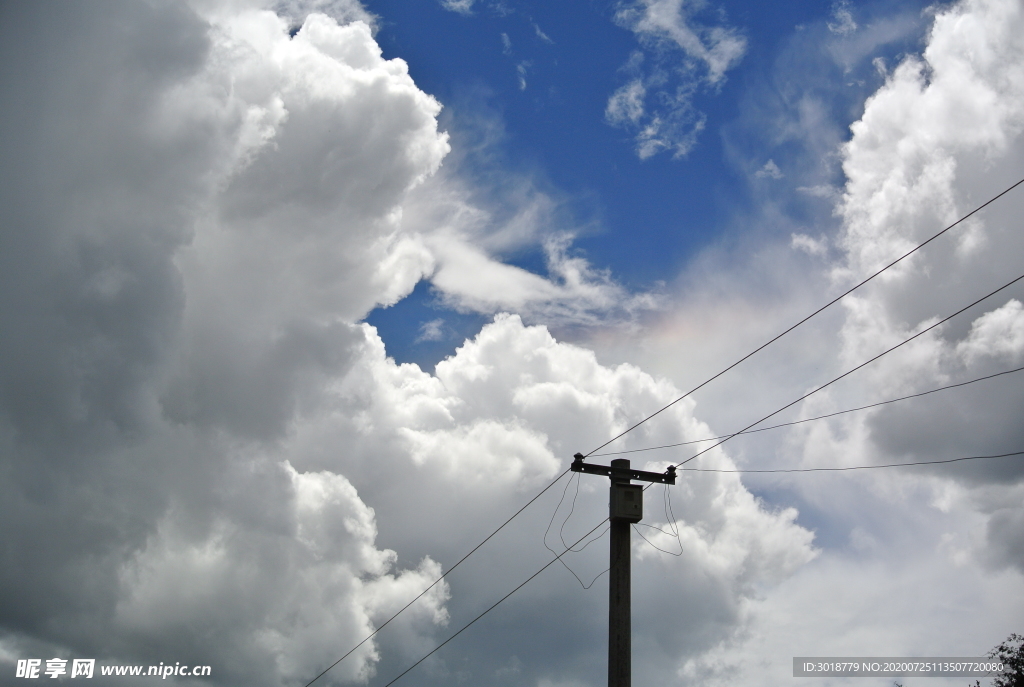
625,507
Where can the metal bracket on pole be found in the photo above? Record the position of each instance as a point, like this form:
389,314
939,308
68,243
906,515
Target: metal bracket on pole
617,473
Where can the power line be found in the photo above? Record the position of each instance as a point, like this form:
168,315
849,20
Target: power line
494,605
591,531
862,467
371,635
572,509
854,369
666,497
848,372
810,419
671,553
822,308
562,528
444,575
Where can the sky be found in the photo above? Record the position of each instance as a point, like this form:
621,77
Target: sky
301,300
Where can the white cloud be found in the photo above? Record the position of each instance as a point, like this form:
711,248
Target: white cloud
432,330
294,588
965,91
933,143
502,416
521,74
656,104
540,34
998,333
843,22
296,11
770,170
460,6
719,48
820,191
809,244
231,243
627,103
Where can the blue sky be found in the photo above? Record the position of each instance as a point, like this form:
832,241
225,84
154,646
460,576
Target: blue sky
534,81
301,299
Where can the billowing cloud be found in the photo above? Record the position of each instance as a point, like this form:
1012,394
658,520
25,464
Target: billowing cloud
497,421
194,283
914,165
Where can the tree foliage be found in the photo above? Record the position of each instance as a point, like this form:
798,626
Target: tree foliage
1011,654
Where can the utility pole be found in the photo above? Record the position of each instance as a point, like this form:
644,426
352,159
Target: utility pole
625,507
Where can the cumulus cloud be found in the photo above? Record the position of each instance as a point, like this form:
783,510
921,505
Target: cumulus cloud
496,421
913,165
201,278
656,103
998,333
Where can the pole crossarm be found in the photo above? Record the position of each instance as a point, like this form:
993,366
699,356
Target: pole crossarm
667,477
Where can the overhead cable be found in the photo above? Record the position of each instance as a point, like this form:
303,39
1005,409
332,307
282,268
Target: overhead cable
854,369
570,548
561,530
670,520
863,467
810,419
434,583
813,314
495,604
553,482
671,553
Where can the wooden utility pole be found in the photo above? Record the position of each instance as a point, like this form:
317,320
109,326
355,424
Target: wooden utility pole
625,507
